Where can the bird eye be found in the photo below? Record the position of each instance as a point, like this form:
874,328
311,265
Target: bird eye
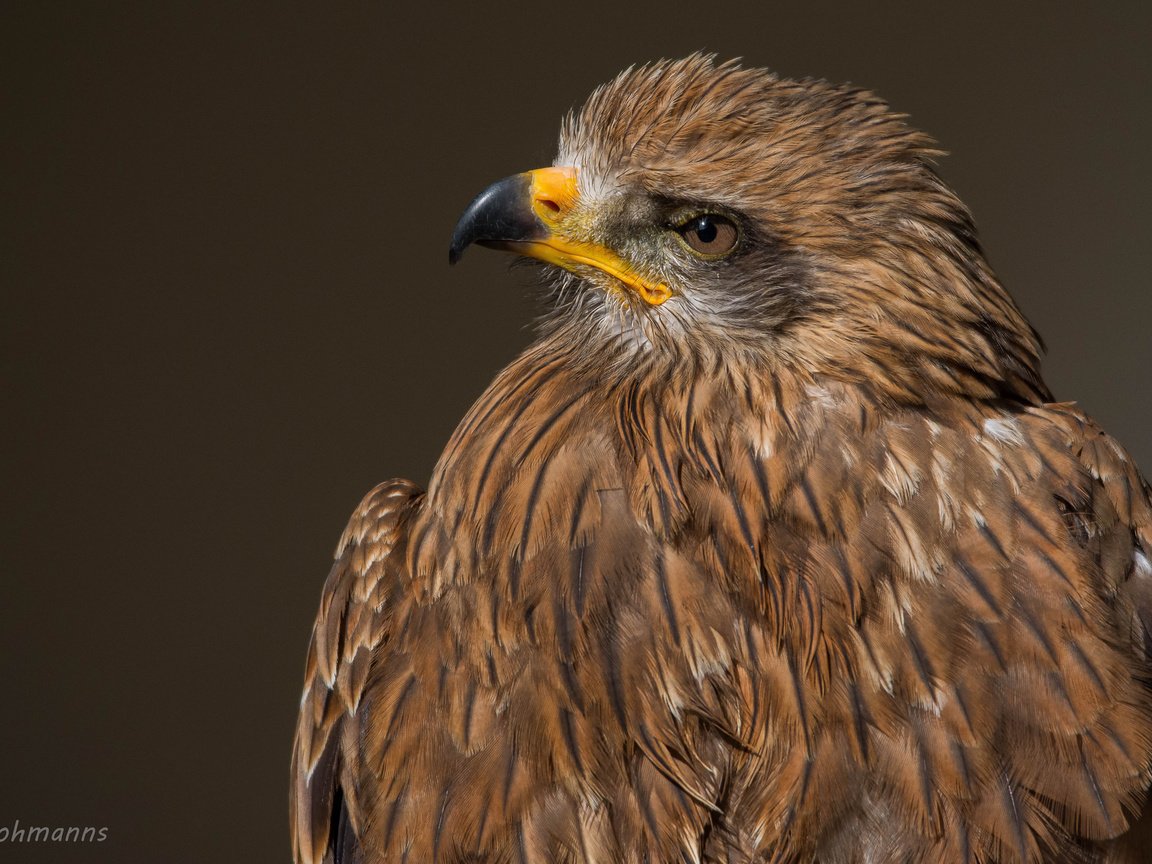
709,235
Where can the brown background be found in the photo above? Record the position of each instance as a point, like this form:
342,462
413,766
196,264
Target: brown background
225,313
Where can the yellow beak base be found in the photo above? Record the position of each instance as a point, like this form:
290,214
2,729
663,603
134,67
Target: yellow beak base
526,214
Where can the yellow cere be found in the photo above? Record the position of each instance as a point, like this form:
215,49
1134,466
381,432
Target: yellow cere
554,194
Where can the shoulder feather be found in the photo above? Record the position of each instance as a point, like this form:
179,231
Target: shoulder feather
349,627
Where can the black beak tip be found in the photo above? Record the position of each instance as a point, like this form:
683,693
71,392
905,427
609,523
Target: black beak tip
499,213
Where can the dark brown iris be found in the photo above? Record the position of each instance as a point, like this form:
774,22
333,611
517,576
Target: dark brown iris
709,234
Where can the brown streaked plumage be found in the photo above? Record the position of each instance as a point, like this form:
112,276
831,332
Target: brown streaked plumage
770,553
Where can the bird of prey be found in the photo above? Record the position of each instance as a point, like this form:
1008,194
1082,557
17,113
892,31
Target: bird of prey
772,547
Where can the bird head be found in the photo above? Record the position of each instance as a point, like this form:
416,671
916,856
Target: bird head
703,213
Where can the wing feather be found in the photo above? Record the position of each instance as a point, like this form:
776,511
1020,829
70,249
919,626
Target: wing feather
350,625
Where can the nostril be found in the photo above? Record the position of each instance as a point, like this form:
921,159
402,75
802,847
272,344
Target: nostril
549,204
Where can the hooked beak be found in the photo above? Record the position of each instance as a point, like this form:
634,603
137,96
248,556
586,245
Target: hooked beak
526,214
